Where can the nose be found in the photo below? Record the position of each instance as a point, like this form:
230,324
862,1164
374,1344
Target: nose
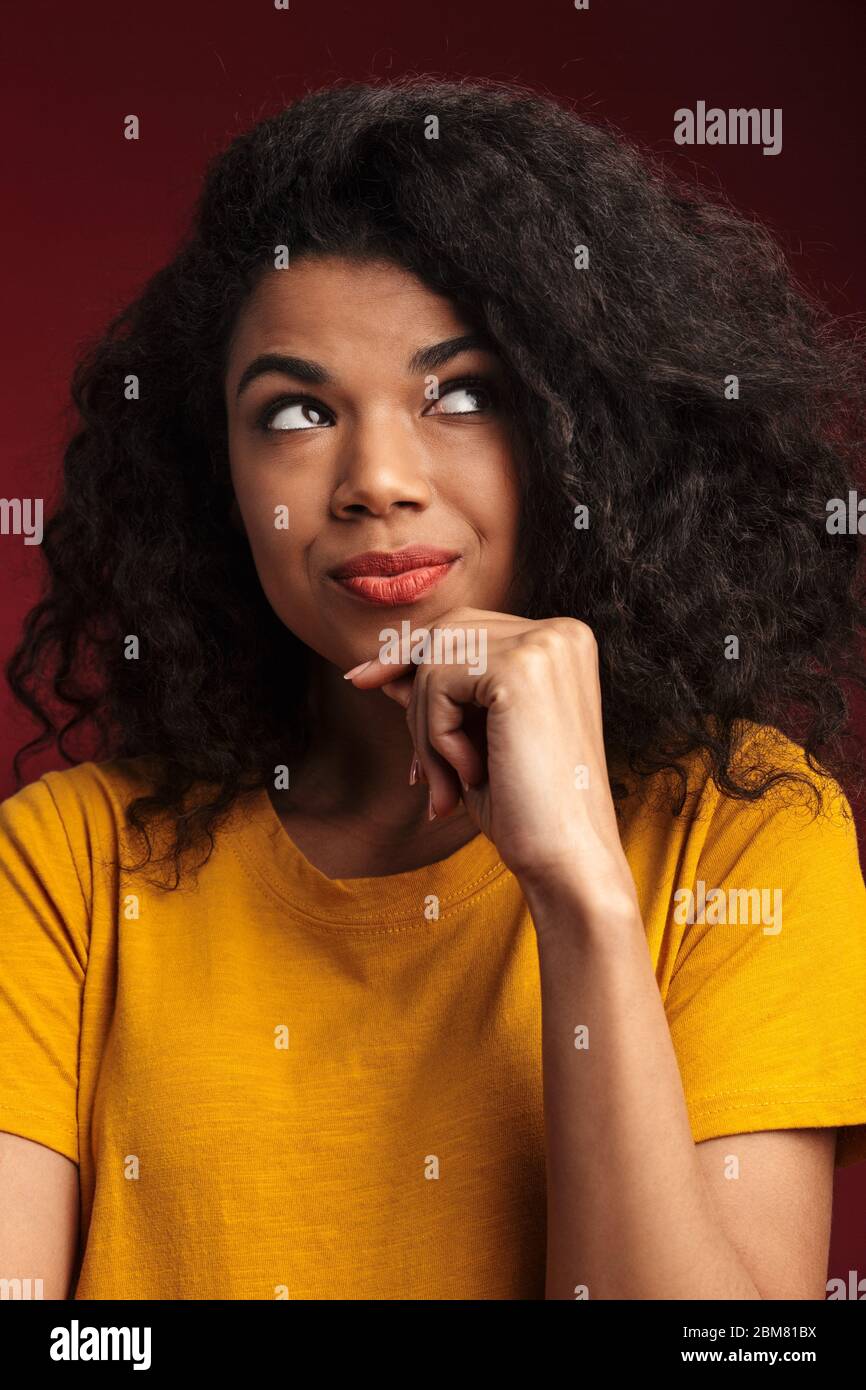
382,465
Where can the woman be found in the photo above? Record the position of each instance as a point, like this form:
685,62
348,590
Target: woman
443,562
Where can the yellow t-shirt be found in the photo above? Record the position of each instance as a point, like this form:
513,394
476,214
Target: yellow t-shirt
281,1085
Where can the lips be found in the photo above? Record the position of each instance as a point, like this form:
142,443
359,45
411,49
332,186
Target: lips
392,577
412,557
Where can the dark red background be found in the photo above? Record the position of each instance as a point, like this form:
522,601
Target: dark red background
90,215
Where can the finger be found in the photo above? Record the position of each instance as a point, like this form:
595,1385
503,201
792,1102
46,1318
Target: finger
399,690
442,780
448,736
377,671
411,722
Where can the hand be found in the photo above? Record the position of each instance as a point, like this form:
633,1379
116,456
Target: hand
526,736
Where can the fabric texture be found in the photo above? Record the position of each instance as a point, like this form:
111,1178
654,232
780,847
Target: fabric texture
279,1085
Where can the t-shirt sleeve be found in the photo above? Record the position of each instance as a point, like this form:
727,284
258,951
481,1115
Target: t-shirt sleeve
767,998
44,921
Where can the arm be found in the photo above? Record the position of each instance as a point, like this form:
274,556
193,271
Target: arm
44,946
38,1215
636,1209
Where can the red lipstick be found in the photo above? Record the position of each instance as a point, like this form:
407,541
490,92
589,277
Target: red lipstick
393,577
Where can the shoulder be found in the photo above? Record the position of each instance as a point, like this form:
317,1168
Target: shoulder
762,951
788,799
79,795
796,833
764,754
56,827
801,824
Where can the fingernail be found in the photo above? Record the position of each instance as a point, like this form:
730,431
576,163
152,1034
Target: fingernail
413,770
431,814
356,670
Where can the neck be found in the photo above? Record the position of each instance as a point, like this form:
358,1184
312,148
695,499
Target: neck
357,764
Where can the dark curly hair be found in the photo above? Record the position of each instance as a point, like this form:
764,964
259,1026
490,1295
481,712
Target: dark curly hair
707,516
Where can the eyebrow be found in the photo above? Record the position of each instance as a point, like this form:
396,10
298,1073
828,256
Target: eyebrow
426,359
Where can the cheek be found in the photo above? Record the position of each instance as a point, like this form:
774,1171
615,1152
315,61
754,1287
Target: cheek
495,511
493,506
276,524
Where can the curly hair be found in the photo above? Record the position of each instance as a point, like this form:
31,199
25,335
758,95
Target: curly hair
707,515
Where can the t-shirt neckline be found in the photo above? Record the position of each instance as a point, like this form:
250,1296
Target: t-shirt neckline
419,897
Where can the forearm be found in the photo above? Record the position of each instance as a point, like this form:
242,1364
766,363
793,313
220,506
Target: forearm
628,1215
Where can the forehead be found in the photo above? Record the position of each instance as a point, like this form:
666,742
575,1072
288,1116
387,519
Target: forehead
337,306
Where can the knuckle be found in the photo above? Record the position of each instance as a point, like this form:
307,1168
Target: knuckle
533,659
577,633
573,627
439,740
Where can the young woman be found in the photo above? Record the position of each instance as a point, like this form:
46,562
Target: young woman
461,899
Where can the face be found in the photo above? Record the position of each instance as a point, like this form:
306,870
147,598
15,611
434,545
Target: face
356,445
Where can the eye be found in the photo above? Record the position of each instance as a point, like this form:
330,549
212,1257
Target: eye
309,414
472,387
